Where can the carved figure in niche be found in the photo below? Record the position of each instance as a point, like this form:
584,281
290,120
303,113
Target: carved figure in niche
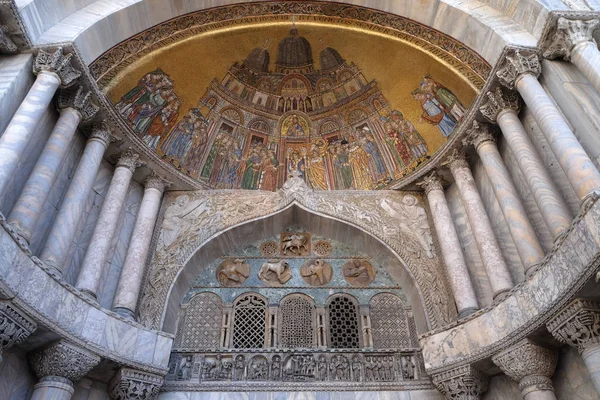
216,368
356,368
388,368
275,272
316,272
408,367
412,220
322,368
184,370
258,369
296,244
233,273
358,272
239,368
339,368
369,375
300,367
276,368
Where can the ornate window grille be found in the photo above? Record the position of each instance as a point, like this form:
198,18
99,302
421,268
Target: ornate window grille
202,322
249,322
344,332
297,319
388,322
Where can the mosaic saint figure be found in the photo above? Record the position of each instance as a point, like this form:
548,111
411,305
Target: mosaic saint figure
448,100
316,173
269,166
341,165
222,154
396,140
251,177
376,164
193,158
296,163
413,138
132,102
228,176
295,129
433,113
180,139
359,160
165,121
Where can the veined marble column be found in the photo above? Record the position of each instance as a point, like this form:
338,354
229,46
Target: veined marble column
130,384
464,382
63,230
58,366
526,241
74,107
53,70
532,366
454,260
484,236
503,109
135,261
94,262
521,73
576,325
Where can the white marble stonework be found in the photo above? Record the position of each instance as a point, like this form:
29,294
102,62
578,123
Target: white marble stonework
412,395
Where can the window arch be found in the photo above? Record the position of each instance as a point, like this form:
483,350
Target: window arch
297,321
202,322
249,322
389,325
343,317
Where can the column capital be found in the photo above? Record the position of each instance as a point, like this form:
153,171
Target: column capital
516,64
62,359
461,383
131,384
479,134
568,34
78,99
130,160
497,102
15,327
455,160
57,62
578,324
431,182
6,43
101,133
155,181
528,364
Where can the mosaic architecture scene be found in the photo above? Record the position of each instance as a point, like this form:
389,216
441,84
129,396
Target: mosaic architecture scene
299,199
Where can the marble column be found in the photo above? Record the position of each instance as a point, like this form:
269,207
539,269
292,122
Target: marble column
487,244
578,326
93,265
15,326
464,382
57,367
74,107
523,234
502,108
454,260
52,70
132,273
55,250
530,365
130,384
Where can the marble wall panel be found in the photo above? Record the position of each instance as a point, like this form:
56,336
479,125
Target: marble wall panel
15,80
572,380
502,388
405,395
16,380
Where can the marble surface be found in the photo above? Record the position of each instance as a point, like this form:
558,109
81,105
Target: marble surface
572,379
16,382
413,395
15,81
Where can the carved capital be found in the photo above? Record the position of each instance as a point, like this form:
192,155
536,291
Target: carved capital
130,160
58,63
498,101
80,100
479,134
131,384
101,133
431,182
526,363
6,43
155,181
568,34
15,327
517,64
63,359
462,383
456,160
577,325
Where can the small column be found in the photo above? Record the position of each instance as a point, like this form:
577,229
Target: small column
57,367
94,262
526,241
367,331
15,327
464,383
531,366
65,225
130,384
503,109
135,261
577,326
74,107
52,70
521,73
454,260
484,236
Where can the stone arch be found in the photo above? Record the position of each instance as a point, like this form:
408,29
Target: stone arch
297,321
343,322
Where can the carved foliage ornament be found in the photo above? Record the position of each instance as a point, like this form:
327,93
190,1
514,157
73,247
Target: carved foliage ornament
130,160
517,64
527,359
479,134
14,326
431,182
78,99
578,324
155,181
131,384
58,63
462,383
568,34
498,101
63,359
6,43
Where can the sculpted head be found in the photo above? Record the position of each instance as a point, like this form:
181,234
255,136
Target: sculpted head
409,200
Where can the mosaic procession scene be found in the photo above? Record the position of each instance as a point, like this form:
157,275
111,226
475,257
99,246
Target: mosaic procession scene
320,118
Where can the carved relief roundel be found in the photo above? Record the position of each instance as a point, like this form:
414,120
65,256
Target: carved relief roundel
269,248
233,273
322,248
316,272
358,272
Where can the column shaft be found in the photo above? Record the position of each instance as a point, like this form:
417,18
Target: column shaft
53,388
484,236
581,172
63,230
26,212
552,206
591,358
456,267
587,59
24,123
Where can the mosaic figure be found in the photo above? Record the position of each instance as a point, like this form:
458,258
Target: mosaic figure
316,173
433,112
445,97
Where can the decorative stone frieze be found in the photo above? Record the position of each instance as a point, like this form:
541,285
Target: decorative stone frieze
130,160
78,99
131,384
62,359
516,64
498,101
478,134
578,324
568,34
15,327
155,181
6,43
59,63
462,383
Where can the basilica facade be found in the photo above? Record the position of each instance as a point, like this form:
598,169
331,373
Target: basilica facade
299,199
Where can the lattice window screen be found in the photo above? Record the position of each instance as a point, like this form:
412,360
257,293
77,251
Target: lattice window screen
343,323
296,316
249,322
202,326
388,322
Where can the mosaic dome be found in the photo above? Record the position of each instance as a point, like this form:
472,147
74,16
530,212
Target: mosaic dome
258,60
293,52
330,59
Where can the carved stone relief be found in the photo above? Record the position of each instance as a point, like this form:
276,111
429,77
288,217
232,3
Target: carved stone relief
131,384
295,244
358,272
322,248
233,273
275,272
269,248
316,272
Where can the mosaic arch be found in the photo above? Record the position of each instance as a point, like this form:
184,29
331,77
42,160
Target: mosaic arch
248,102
